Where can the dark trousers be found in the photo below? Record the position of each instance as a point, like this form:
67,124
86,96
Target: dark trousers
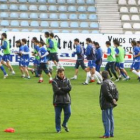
98,67
67,114
108,122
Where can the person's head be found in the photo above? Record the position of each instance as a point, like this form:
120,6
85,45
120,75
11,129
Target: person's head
76,41
47,34
116,43
23,41
96,44
60,73
105,74
133,43
51,35
41,44
18,43
138,43
108,44
34,39
88,41
36,42
93,42
3,36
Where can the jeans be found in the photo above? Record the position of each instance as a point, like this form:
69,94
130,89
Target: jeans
108,122
67,114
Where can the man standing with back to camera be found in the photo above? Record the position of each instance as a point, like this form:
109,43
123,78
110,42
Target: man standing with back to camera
61,99
108,100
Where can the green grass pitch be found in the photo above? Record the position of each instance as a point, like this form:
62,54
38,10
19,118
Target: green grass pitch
27,106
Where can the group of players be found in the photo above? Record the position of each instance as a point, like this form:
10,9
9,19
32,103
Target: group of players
47,52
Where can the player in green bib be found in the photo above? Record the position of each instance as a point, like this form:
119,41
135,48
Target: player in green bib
120,58
111,59
6,50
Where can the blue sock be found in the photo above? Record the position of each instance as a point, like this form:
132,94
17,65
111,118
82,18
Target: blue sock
123,74
2,68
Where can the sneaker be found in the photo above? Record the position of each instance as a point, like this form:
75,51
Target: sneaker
27,77
40,81
104,137
99,83
5,76
32,71
66,128
111,78
13,73
120,77
91,81
73,78
50,81
58,131
117,80
85,83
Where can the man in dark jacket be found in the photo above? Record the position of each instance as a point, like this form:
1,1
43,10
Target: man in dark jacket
108,100
61,99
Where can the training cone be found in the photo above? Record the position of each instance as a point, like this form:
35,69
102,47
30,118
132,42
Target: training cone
9,130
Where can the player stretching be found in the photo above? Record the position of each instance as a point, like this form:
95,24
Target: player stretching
1,66
80,58
135,67
120,56
43,60
6,50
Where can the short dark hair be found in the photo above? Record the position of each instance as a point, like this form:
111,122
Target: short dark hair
47,33
24,40
116,42
60,70
105,74
76,40
42,43
52,34
4,34
96,44
89,40
108,43
134,42
34,38
36,41
18,41
138,42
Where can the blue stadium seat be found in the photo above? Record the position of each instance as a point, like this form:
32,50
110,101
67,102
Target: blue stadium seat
3,0
4,23
51,1
12,0
15,30
72,9
84,25
71,1
5,30
44,30
85,32
91,9
34,15
3,7
54,24
62,8
23,7
73,16
82,9
74,25
95,32
75,31
14,15
65,31
64,24
63,16
32,1
25,30
52,8
41,1
53,16
34,24
55,31
14,23
61,1
24,15
81,1
43,16
22,1
44,24
83,16
93,17
94,25
33,8
35,30
24,23
3,15
42,8
13,7
90,1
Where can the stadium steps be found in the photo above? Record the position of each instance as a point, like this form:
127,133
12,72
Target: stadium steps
108,17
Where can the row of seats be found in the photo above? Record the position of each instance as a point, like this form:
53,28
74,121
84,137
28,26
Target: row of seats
130,32
50,8
131,10
54,1
54,31
129,26
50,16
133,17
52,24
129,2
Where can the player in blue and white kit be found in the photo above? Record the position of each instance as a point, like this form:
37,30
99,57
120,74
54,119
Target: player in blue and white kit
135,67
43,62
80,58
1,66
